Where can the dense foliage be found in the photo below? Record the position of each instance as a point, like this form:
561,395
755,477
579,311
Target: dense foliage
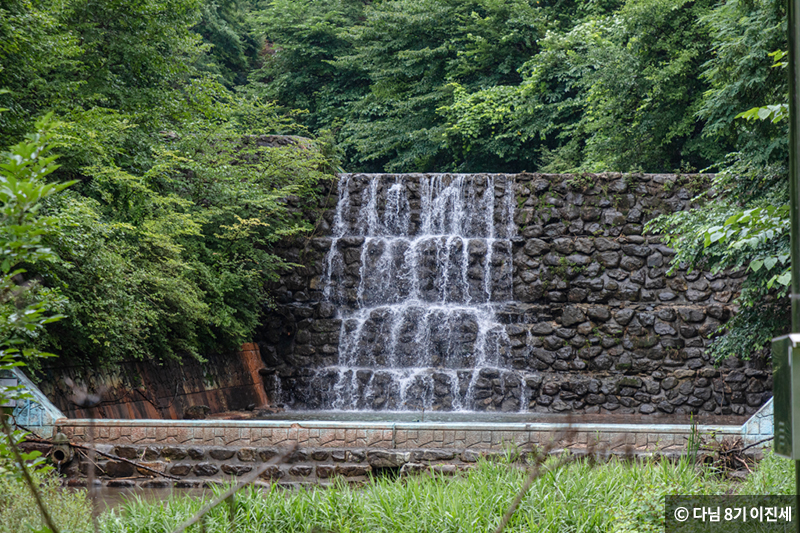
164,246
23,304
746,225
615,85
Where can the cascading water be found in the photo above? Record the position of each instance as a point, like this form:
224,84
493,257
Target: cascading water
416,267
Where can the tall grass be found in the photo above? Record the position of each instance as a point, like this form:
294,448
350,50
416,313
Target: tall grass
614,496
71,510
774,476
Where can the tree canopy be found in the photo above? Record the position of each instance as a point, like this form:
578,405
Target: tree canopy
164,242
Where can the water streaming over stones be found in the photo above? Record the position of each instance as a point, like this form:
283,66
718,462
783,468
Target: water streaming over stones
416,268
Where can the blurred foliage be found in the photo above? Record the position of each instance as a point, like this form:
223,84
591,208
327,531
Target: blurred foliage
25,306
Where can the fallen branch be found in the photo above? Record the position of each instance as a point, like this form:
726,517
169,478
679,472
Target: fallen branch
739,450
110,456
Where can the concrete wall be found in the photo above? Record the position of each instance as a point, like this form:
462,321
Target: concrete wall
143,389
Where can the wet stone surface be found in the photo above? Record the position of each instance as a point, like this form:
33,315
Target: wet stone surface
506,293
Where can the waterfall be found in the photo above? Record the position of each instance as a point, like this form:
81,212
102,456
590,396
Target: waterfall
416,268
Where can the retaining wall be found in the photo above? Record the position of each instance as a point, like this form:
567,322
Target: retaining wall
144,389
196,452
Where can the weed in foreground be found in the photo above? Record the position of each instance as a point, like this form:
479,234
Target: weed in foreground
579,497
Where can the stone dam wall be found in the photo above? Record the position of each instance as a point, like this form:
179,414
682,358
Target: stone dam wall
529,293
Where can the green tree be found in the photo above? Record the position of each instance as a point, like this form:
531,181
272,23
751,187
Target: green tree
616,91
745,226
303,39
24,305
412,51
228,27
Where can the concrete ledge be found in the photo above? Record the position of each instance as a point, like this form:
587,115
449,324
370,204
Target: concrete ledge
458,426
385,435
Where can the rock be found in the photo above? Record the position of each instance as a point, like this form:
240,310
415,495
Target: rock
173,453
420,456
666,407
118,469
571,316
325,471
196,454
353,470
624,316
541,328
272,472
221,454
320,455
196,412
247,455
301,470
267,454
387,459
205,469
535,247
236,470
663,328
600,314
299,455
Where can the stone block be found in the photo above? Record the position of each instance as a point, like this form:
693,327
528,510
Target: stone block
298,456
205,469
272,472
236,470
196,454
267,454
221,454
126,452
180,470
157,466
247,455
387,458
174,453
326,471
320,455
420,456
301,470
118,469
571,316
353,470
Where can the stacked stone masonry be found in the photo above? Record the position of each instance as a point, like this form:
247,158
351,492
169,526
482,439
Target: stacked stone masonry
596,321
198,452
